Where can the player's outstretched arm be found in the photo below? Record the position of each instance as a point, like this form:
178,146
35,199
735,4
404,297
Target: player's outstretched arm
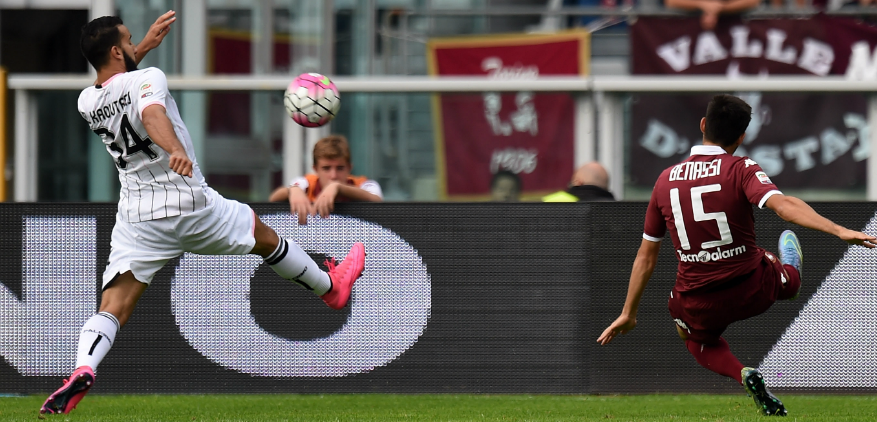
161,132
157,31
799,212
643,267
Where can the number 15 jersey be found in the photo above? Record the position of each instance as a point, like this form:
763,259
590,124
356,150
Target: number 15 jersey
706,203
150,189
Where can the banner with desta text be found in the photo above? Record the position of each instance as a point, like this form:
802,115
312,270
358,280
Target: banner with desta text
814,141
531,135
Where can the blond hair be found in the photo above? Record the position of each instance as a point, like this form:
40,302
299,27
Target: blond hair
332,147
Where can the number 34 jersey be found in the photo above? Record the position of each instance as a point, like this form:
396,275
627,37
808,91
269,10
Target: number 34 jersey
706,203
150,189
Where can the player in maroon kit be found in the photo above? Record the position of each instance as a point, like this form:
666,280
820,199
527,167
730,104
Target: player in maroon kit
723,276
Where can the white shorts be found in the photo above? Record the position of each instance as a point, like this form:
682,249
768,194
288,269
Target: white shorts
225,227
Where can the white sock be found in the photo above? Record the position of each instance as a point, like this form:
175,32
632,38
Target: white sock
291,262
96,339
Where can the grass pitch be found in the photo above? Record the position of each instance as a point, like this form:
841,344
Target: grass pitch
440,407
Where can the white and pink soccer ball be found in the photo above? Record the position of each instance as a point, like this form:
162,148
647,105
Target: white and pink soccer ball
312,100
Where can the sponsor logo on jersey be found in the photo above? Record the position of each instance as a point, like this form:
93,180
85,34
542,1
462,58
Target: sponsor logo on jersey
707,256
145,90
750,162
762,177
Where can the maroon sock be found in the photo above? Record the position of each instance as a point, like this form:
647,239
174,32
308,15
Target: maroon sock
717,358
793,283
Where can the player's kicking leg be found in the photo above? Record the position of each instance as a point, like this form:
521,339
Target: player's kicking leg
791,256
291,262
95,340
755,387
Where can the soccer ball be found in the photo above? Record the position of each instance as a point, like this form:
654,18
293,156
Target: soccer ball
312,100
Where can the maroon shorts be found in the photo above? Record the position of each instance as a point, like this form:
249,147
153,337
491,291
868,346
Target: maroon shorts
705,314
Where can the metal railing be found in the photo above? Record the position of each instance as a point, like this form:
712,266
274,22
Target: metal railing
599,110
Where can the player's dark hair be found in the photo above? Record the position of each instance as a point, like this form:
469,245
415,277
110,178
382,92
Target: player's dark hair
505,174
98,37
727,117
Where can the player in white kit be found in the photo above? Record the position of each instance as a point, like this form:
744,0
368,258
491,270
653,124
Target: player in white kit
165,206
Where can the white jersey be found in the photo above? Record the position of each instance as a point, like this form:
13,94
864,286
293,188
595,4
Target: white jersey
150,189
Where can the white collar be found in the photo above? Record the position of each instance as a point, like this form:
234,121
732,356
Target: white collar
707,150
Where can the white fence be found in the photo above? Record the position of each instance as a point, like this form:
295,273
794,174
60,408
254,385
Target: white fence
599,109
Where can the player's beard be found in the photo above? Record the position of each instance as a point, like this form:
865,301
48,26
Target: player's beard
130,64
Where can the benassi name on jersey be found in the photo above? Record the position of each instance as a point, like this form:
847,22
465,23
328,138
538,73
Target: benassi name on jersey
691,170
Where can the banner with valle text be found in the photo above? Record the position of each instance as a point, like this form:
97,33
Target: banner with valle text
531,135
798,138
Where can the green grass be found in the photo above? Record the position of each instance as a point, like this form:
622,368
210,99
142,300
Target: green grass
439,407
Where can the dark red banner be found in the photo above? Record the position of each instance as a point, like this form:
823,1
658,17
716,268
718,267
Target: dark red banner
525,133
801,140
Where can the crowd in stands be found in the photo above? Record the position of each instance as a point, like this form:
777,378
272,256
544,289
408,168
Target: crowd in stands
332,181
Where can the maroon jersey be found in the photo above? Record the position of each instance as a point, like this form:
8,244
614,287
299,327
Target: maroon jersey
705,202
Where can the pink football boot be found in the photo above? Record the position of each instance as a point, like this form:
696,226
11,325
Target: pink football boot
74,389
343,276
